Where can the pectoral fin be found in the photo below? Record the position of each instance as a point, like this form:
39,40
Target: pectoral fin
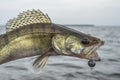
41,61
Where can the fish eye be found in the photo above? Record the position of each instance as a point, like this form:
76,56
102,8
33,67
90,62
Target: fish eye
85,41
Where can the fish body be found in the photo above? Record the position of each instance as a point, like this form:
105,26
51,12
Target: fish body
33,33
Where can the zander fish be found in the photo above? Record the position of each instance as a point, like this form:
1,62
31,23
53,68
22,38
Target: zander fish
32,33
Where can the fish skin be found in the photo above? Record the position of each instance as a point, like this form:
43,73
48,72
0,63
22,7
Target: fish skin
26,41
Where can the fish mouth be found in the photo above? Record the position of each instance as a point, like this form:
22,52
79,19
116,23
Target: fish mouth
90,52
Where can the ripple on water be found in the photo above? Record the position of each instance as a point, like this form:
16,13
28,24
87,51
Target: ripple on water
69,75
67,65
113,60
116,75
12,79
16,68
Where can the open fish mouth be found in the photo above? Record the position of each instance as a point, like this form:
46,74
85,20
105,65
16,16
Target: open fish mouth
90,52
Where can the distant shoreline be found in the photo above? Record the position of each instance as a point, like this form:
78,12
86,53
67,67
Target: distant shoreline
86,25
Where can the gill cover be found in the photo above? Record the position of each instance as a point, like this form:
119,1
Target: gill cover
58,44
66,44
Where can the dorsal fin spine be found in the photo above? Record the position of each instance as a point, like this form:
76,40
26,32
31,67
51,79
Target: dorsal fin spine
27,18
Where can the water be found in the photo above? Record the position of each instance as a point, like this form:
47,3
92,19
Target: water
69,68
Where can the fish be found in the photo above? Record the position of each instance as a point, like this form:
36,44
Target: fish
32,33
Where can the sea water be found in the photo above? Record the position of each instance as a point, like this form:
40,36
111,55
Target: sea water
71,68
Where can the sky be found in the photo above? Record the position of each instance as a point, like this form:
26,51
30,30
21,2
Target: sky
97,12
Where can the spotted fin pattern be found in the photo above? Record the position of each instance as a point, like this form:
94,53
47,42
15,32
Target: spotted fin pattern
27,18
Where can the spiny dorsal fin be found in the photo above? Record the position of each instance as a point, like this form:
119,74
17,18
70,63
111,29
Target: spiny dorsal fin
27,18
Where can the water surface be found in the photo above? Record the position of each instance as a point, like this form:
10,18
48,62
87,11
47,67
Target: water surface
71,68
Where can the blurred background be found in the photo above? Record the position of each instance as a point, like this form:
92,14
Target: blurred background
100,18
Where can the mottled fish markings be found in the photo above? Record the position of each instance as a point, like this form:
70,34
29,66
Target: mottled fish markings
33,33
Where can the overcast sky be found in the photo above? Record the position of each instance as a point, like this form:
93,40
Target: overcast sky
98,12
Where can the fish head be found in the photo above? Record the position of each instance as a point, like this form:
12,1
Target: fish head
81,45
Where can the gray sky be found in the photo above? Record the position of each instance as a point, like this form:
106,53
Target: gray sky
98,12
